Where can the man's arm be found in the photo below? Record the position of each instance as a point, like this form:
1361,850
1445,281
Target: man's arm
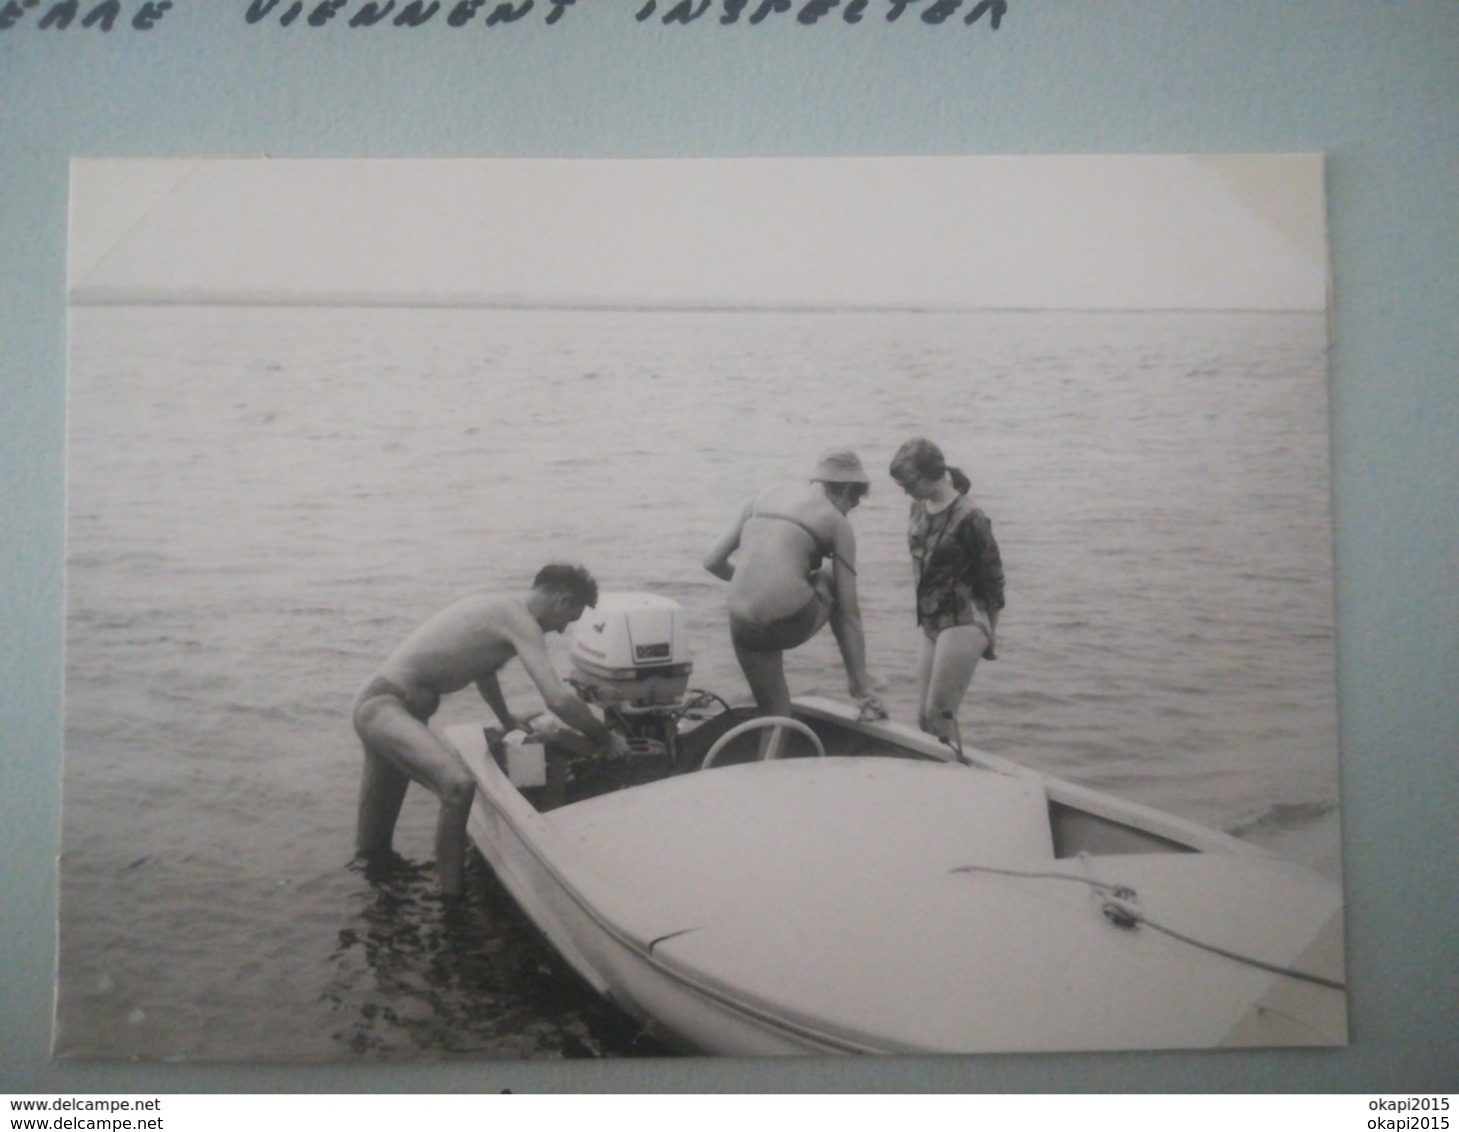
531,648
491,691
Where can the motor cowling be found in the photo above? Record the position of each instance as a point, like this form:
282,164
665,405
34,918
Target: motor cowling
631,649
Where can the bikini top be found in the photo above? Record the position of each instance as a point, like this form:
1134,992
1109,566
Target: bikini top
823,549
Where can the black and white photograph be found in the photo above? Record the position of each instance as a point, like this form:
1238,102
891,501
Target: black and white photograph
586,608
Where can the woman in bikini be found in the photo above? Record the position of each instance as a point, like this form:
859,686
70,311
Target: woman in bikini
959,581
780,592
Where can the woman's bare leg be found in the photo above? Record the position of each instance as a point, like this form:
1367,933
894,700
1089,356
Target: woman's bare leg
765,672
925,653
945,669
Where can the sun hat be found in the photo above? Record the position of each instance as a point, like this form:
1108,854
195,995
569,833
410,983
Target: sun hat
840,465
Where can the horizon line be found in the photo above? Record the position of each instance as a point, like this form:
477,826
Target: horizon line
108,296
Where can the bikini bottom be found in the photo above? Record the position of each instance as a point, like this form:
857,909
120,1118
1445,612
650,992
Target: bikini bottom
782,633
971,615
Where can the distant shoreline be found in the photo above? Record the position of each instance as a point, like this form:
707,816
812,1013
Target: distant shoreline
106,297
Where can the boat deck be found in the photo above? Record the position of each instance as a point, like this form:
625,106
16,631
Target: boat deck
858,902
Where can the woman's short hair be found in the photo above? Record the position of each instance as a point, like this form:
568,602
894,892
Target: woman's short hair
565,578
921,456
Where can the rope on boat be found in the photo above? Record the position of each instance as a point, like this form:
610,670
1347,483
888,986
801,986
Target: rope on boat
1119,910
1276,969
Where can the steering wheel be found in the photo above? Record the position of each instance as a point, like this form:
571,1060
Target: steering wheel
779,723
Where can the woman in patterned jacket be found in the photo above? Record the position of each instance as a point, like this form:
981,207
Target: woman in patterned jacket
959,582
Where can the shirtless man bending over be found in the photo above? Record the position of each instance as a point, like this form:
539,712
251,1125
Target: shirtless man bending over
466,642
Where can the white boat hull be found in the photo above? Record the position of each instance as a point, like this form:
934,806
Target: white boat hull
865,904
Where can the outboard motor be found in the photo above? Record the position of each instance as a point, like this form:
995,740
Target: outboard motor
630,657
631,652
631,660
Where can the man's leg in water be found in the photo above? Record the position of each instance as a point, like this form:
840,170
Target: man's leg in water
396,740
382,790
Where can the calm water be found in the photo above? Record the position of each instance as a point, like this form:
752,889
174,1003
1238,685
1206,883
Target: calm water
264,500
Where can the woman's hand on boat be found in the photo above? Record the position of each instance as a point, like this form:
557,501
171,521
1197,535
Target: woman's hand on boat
615,748
870,708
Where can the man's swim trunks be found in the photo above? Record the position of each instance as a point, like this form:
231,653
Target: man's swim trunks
421,704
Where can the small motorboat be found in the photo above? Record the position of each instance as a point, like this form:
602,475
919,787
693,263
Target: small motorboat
823,883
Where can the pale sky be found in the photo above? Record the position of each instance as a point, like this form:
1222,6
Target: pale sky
1097,232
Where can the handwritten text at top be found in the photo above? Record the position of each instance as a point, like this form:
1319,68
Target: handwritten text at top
107,15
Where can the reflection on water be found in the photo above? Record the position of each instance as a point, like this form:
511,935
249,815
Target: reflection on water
420,975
